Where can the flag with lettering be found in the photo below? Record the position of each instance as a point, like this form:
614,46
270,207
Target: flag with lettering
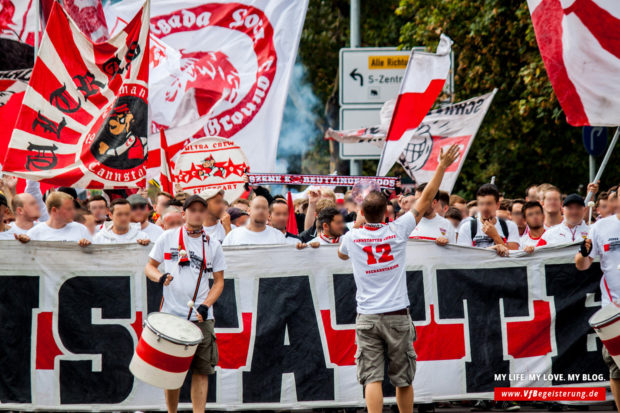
422,83
232,58
83,120
579,42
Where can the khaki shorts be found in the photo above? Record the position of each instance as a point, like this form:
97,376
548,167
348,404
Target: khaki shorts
614,371
378,336
207,356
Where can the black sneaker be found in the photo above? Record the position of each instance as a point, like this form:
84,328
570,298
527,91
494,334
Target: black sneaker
507,406
426,408
481,406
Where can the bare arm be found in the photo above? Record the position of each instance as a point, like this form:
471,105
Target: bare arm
342,256
216,289
424,201
153,274
583,263
313,198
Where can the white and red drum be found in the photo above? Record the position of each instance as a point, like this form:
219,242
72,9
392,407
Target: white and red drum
165,350
606,323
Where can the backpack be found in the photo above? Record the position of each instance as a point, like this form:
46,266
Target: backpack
474,228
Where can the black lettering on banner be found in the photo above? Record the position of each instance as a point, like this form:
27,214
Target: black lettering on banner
133,51
112,67
87,84
64,101
19,295
285,303
42,160
79,383
226,316
483,288
569,287
48,125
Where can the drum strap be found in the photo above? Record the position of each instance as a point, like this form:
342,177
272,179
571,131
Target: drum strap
203,268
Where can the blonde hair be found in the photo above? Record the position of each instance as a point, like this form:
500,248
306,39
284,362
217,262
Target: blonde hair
55,200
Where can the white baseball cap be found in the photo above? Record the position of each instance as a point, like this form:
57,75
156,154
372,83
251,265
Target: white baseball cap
210,193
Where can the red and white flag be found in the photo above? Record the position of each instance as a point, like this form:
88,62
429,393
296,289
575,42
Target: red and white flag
166,179
235,58
579,41
88,14
83,120
423,81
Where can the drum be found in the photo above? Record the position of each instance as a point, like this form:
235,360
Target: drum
606,323
165,350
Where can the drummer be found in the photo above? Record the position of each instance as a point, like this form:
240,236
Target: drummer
189,255
604,241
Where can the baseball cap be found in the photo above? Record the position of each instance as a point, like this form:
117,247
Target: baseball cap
3,200
573,199
136,199
210,193
194,198
235,213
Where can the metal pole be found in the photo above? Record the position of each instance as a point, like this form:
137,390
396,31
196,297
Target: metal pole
601,168
37,11
592,168
355,165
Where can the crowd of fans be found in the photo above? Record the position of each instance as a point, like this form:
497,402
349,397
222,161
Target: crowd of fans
545,216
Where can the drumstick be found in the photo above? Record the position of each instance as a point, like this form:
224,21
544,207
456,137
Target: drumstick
591,205
192,305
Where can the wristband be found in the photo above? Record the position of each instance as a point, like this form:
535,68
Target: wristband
203,310
163,278
583,249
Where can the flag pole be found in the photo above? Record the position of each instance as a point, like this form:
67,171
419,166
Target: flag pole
601,168
37,14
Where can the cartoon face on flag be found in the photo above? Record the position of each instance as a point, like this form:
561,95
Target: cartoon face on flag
230,59
83,121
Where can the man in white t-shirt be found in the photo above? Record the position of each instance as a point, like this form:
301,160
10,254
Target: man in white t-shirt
256,232
27,212
7,232
432,226
330,227
140,215
189,255
551,200
217,221
60,225
572,229
120,230
604,242
383,325
534,218
487,230
98,207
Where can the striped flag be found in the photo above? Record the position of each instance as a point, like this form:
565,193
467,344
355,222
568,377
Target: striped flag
166,179
424,78
83,120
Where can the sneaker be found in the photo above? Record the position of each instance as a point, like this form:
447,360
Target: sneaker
481,406
508,406
426,408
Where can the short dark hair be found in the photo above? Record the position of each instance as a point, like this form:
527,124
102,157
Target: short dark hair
97,198
454,213
443,197
505,205
517,201
80,215
529,205
279,201
420,188
374,206
166,194
327,215
174,203
488,189
118,201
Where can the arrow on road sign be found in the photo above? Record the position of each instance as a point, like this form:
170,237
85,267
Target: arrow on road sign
354,75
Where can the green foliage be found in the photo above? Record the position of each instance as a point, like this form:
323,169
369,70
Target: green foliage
523,140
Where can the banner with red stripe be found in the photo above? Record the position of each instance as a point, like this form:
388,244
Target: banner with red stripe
83,120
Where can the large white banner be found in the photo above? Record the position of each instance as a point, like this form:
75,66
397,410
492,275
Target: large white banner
235,57
71,318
